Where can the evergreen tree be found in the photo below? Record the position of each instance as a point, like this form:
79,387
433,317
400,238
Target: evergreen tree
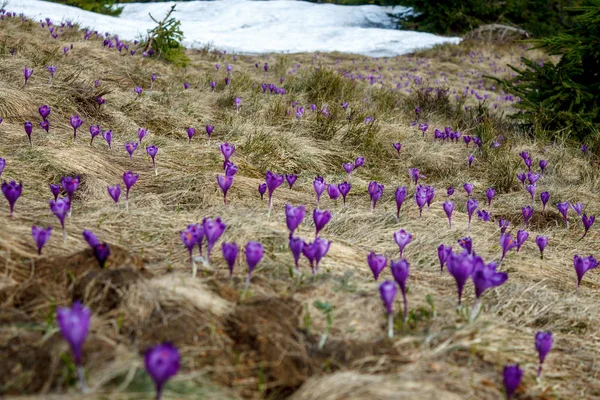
564,97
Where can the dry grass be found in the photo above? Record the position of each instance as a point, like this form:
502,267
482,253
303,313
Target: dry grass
261,346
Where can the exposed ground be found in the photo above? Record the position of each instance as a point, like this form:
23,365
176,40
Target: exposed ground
265,345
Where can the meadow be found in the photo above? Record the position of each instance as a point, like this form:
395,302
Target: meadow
266,340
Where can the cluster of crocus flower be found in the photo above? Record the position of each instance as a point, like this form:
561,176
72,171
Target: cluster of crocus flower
211,229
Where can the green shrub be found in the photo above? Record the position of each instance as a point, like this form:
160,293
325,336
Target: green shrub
97,6
539,17
563,98
165,40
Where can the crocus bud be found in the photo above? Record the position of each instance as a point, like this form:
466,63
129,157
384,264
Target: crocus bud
402,239
230,252
377,263
12,191
512,376
40,236
74,324
543,345
162,363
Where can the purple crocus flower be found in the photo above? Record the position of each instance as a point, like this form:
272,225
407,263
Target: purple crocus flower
70,184
40,237
398,147
400,197
522,177
460,266
94,131
45,125
74,324
225,182
402,239
400,271
294,216
273,181
377,263
262,189
28,129
582,265
320,218
2,165
483,215
512,376
531,190
209,131
230,253
60,208
27,72
472,205
152,152
296,247
130,147
230,169
12,191
55,190
213,230
101,252
490,193
449,191
51,69
467,140
387,291
75,122
319,185
138,90
375,192
359,162
162,363
468,188
421,198
333,191
587,223
190,132
563,208
213,85
414,175
449,209
227,150
470,160
129,178
544,197
237,101
254,253
543,164
521,238
44,111
485,277
114,192
543,345
107,136
189,238
348,167
466,243
142,134
344,188
291,179
527,214
542,242
578,208
443,255
321,249
507,243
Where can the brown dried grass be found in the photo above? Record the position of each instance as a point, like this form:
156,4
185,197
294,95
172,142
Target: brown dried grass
260,346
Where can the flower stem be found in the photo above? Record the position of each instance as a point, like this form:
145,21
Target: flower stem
81,378
390,325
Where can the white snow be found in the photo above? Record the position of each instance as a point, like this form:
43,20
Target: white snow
246,26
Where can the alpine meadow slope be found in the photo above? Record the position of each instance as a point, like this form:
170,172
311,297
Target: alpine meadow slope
286,333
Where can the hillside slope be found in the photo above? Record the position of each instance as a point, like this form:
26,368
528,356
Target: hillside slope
264,343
